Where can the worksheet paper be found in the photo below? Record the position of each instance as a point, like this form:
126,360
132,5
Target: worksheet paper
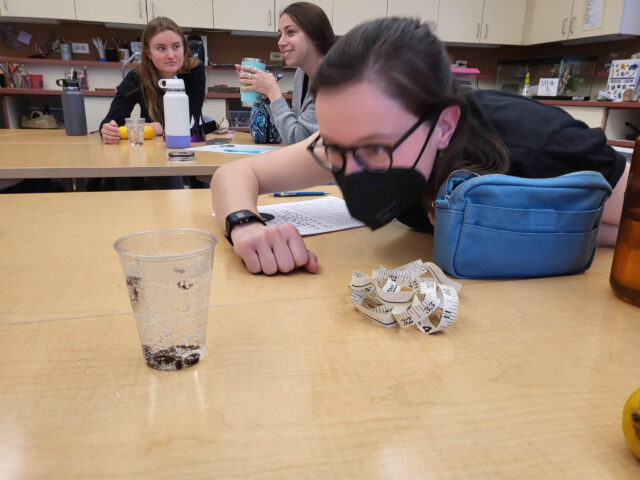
235,148
310,217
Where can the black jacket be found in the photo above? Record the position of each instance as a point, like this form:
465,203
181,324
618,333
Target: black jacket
542,141
129,94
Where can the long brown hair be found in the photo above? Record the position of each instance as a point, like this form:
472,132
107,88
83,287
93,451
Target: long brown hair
409,63
148,73
313,22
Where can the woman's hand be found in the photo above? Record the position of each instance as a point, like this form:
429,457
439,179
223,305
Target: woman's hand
272,249
157,127
110,132
258,80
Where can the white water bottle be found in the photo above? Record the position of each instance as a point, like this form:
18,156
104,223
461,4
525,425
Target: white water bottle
177,121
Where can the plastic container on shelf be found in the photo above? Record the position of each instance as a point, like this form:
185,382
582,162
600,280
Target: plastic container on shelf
466,77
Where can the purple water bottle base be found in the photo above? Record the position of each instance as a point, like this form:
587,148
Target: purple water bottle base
178,141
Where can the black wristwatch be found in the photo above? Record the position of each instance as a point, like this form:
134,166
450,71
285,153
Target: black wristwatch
238,218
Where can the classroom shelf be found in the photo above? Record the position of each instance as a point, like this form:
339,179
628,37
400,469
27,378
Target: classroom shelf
105,93
14,99
35,91
95,63
592,103
621,143
613,117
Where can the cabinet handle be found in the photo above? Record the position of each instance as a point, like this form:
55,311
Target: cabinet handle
564,25
486,29
6,7
140,8
571,24
153,9
269,17
477,30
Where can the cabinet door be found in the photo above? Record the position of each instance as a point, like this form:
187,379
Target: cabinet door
587,20
348,14
195,13
460,20
114,11
426,10
250,15
325,5
503,21
58,9
549,20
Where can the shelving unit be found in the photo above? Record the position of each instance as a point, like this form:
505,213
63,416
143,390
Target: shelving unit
17,101
613,116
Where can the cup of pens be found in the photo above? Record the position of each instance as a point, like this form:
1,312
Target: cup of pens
100,48
65,51
111,54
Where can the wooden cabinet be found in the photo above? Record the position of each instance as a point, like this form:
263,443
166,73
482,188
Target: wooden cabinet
194,14
426,10
132,12
58,9
615,17
549,21
482,21
347,15
326,5
248,15
460,20
503,21
557,20
198,14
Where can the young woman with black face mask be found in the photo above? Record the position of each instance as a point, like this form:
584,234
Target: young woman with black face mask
392,127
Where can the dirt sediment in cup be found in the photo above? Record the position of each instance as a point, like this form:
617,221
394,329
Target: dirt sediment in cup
173,358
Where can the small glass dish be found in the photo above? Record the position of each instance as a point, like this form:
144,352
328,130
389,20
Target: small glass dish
181,156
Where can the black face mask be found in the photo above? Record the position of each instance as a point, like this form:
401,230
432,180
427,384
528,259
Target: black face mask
376,199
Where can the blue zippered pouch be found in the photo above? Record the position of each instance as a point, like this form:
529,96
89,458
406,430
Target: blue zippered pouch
499,226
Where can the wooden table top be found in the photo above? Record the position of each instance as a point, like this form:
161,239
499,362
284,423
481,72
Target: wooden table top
53,154
528,383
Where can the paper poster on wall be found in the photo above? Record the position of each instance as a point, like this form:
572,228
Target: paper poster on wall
593,13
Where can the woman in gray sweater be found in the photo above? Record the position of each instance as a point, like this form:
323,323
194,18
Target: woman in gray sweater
305,36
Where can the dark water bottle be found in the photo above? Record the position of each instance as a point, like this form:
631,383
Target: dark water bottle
75,118
625,270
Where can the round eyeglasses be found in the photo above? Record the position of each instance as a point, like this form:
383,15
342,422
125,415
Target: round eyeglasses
372,158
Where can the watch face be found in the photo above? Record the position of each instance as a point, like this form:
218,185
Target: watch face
238,218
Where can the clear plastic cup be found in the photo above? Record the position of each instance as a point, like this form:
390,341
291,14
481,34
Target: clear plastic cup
167,273
135,130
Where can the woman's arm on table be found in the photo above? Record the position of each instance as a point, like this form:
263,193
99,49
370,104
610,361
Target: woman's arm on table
236,186
608,232
121,107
